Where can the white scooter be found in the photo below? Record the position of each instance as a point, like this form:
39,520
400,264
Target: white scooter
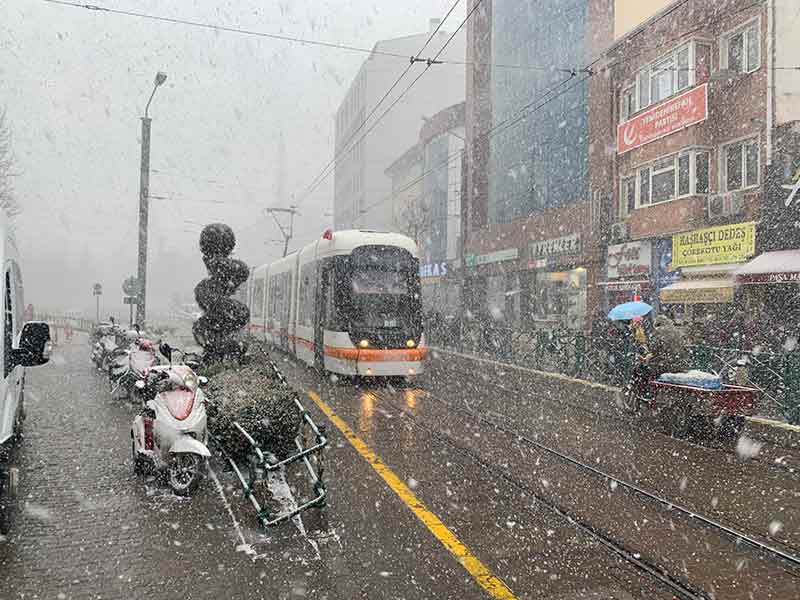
170,434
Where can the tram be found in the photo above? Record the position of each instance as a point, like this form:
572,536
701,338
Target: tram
349,303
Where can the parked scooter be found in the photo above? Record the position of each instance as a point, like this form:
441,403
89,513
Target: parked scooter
105,342
170,434
128,365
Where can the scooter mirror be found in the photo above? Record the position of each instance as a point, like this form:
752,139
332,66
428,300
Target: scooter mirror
139,384
202,381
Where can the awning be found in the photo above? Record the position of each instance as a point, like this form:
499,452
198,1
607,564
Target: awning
781,266
625,286
699,291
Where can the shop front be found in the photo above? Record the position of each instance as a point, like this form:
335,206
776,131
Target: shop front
705,291
770,292
441,289
553,289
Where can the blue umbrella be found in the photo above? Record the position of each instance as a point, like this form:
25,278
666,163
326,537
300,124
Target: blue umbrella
629,310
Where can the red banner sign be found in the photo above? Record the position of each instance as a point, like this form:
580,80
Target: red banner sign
672,115
752,278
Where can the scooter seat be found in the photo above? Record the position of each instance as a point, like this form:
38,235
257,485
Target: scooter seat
179,403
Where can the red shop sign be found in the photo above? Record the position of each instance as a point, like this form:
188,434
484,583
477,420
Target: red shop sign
672,115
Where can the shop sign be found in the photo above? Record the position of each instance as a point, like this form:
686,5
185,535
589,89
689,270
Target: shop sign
670,116
714,246
629,260
569,244
484,259
433,270
720,295
769,278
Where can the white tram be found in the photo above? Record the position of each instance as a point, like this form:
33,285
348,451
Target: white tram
349,303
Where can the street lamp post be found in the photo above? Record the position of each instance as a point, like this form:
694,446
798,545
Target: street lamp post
144,188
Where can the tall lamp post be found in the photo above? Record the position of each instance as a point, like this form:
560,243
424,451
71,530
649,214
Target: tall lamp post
144,185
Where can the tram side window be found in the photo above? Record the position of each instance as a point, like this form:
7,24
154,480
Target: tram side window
331,319
258,299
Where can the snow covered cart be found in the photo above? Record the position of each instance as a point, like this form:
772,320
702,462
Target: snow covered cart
690,410
253,467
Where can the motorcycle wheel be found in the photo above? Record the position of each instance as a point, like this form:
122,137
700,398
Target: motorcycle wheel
183,473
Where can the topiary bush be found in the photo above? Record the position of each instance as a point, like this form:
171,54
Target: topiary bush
223,317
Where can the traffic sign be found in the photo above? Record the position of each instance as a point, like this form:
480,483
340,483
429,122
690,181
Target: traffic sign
97,289
129,300
130,287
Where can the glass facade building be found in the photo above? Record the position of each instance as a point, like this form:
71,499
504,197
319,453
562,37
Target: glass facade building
542,161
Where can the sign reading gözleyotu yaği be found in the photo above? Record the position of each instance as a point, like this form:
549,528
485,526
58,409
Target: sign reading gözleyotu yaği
714,246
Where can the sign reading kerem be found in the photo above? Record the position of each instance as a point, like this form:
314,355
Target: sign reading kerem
689,108
714,246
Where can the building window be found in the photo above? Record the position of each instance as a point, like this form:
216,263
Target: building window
684,174
663,182
741,49
741,165
701,173
628,195
628,106
644,186
667,178
663,78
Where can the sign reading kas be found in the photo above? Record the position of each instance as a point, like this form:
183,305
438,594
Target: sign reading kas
433,270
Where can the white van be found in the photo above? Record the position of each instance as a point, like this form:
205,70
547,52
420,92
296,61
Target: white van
21,345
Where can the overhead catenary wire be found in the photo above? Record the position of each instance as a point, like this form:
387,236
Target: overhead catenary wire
589,70
345,147
402,95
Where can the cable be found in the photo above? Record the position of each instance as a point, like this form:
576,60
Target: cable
430,62
324,174
229,29
589,71
284,38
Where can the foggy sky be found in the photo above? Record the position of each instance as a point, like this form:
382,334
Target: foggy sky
74,83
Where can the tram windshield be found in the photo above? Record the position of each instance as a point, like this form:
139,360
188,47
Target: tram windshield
384,289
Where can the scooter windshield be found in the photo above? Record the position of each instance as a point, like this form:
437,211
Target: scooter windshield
179,403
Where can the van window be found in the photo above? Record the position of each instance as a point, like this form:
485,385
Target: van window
8,331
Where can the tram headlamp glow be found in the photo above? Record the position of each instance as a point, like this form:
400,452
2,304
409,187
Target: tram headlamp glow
364,344
410,344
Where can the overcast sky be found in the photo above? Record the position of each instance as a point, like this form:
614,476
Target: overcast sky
74,83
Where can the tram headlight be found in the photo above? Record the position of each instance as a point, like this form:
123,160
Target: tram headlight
363,344
410,344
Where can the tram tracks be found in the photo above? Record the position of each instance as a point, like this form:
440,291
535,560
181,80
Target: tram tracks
789,562
634,487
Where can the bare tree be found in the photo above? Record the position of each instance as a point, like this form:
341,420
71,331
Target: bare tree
415,219
7,199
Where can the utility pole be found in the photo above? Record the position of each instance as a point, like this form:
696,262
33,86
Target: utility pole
287,232
144,188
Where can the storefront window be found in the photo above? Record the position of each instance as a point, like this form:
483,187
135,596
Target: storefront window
560,299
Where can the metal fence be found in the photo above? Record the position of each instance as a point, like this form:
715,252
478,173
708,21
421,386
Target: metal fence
604,359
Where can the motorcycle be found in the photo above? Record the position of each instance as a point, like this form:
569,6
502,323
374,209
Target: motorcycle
126,366
105,342
170,435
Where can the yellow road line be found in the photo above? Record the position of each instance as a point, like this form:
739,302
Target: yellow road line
479,571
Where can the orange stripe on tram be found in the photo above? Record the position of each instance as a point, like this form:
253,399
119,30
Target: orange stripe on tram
377,354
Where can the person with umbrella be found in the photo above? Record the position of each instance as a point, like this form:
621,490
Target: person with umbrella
638,352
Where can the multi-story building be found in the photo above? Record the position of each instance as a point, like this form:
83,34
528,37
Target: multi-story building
698,134
362,190
533,217
427,182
